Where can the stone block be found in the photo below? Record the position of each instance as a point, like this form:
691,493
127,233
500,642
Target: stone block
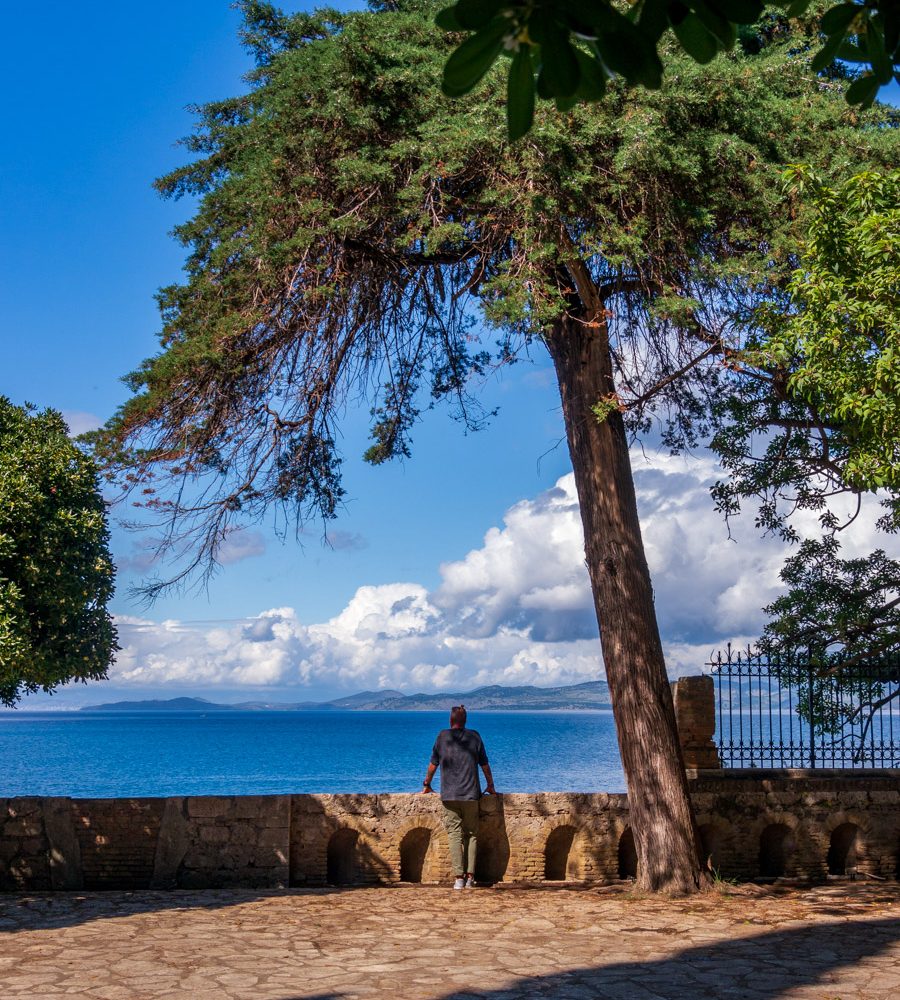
214,834
208,806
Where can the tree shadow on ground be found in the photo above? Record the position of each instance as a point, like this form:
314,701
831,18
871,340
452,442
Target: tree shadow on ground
762,967
54,910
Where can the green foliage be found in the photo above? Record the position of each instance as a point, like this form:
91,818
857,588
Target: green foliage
56,574
818,389
357,232
570,48
835,610
818,381
842,344
835,635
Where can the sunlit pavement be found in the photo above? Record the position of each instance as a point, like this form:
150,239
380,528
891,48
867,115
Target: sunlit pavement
835,941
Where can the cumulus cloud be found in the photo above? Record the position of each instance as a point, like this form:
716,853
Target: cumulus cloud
516,610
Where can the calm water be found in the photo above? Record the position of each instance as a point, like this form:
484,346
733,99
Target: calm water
104,755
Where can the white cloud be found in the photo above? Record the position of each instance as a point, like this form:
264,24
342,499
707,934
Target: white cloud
516,610
241,544
79,421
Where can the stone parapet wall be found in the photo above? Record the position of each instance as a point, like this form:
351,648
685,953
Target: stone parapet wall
754,824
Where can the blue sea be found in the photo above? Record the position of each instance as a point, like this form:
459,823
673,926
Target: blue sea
100,755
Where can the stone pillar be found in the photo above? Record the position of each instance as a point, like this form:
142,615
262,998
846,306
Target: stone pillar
695,713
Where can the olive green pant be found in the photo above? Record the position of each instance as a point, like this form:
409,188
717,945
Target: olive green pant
461,824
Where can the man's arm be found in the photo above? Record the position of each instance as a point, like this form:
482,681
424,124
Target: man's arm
489,778
429,774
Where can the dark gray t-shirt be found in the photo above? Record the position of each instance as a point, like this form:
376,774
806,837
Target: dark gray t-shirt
459,752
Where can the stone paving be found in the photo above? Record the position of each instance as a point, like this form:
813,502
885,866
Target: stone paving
834,942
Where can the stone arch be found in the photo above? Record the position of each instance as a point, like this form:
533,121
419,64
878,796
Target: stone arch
413,850
712,834
842,849
560,860
628,858
776,846
342,863
492,858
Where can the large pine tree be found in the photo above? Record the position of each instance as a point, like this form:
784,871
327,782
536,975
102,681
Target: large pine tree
353,228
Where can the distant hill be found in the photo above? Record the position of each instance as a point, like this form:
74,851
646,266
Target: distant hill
592,694
365,699
165,705
589,695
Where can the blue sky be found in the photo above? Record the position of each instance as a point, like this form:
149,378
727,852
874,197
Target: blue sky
93,115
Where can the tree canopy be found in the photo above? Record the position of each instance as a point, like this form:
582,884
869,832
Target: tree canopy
813,426
360,240
840,344
353,223
56,574
813,410
569,51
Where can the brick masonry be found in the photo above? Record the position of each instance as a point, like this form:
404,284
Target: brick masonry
753,824
795,824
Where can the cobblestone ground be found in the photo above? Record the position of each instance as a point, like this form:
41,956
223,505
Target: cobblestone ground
836,942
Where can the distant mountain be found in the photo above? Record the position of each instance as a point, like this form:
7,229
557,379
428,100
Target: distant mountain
589,695
365,699
166,705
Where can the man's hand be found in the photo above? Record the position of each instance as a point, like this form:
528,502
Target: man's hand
490,790
427,790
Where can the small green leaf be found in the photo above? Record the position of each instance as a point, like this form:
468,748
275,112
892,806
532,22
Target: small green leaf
881,61
653,18
696,40
738,11
543,88
448,20
468,63
592,82
626,50
520,95
838,18
850,52
825,56
720,27
475,14
863,90
796,8
565,104
559,63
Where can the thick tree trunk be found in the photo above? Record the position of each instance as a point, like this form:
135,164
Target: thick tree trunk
662,818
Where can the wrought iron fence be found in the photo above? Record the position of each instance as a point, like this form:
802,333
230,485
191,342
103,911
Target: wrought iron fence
788,712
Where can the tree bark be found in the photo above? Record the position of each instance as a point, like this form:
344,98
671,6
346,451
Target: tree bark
662,818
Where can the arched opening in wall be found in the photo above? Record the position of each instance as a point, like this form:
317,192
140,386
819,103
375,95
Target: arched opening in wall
628,859
842,849
492,858
776,845
557,853
341,857
710,839
413,849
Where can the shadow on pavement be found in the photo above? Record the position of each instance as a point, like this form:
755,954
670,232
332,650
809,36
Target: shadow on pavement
763,967
53,910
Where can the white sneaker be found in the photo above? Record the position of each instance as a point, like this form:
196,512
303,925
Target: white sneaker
460,883
470,882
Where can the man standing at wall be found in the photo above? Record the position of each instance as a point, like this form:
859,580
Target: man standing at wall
459,752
